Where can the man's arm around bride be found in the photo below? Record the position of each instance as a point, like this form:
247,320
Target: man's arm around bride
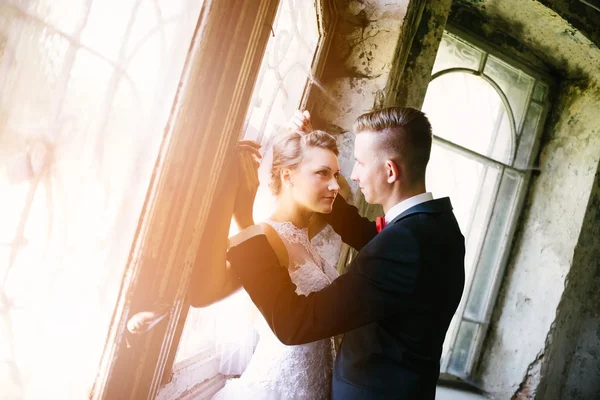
397,298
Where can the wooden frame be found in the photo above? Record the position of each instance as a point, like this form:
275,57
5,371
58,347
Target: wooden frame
327,24
327,19
205,123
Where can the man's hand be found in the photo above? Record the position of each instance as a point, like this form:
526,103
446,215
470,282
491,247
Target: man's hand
248,161
300,122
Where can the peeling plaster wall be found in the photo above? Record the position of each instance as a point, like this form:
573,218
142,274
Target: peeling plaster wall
359,61
544,246
376,43
572,365
534,30
357,69
583,17
408,84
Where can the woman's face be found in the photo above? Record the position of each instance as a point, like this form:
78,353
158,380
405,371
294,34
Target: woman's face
313,183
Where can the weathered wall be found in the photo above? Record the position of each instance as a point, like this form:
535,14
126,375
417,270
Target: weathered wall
376,43
572,364
533,30
414,60
543,252
583,17
359,61
357,68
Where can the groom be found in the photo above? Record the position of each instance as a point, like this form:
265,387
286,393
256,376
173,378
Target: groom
397,298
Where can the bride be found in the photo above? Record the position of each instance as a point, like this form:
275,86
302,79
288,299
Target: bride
304,181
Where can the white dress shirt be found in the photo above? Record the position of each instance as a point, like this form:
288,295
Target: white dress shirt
406,204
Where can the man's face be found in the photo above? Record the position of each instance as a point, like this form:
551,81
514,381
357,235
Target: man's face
369,170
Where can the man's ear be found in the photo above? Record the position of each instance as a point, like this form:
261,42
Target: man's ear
393,171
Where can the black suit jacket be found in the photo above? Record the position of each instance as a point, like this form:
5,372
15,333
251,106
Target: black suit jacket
394,303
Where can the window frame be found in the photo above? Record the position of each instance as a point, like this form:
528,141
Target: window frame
540,75
219,72
327,17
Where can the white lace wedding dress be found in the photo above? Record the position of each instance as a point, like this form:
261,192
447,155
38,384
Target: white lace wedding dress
277,371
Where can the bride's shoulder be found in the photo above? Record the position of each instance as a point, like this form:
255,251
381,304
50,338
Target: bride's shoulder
276,243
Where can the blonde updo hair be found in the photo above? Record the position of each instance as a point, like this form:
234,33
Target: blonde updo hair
288,152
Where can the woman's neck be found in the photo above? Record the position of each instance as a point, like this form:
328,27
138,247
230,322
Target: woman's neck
287,211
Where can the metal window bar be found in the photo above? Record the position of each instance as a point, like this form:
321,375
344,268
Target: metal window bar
503,97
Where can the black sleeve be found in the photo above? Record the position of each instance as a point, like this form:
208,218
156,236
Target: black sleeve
374,288
346,221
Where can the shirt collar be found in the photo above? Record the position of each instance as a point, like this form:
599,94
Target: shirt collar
406,204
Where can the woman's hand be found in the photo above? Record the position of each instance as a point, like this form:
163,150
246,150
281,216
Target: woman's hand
300,122
248,161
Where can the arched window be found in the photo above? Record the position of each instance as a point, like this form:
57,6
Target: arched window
487,114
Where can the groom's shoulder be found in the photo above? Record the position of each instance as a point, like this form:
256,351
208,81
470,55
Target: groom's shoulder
392,247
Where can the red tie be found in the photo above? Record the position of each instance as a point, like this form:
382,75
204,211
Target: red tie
380,223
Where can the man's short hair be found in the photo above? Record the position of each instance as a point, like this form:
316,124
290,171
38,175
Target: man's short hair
405,137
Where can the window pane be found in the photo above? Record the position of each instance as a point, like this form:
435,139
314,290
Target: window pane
455,53
462,179
539,93
530,132
467,110
461,352
198,333
515,84
284,70
493,249
82,119
205,330
471,187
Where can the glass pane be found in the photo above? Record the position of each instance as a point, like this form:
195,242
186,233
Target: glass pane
284,70
461,352
455,53
530,132
515,84
471,187
494,247
467,110
69,16
80,130
539,93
